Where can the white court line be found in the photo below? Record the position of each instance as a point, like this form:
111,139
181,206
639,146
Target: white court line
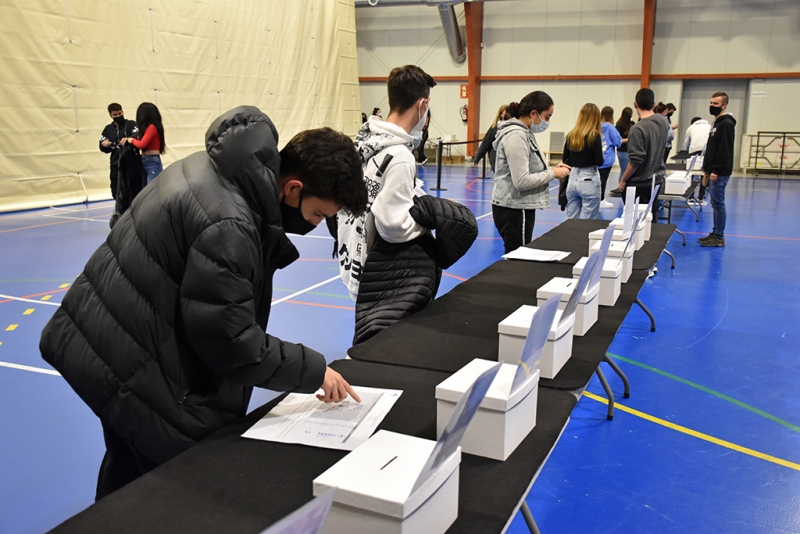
75,210
484,215
20,299
77,218
306,290
29,368
313,236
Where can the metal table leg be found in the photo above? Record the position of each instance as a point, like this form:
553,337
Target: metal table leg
644,309
682,235
609,393
615,367
528,516
696,215
668,253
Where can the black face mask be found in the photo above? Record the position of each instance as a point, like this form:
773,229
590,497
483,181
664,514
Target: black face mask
714,110
119,120
669,115
293,220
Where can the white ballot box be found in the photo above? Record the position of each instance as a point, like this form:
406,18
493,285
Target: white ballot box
616,251
374,488
504,418
642,230
677,183
514,329
610,279
586,312
597,235
648,220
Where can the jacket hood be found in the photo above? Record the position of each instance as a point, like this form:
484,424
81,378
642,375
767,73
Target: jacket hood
505,128
243,145
726,117
376,134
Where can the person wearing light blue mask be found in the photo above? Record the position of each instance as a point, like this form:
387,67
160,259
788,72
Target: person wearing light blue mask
522,175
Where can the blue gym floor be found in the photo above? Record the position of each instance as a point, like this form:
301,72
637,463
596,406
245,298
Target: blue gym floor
709,441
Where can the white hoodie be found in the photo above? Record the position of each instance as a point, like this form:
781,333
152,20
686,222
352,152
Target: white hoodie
390,196
697,136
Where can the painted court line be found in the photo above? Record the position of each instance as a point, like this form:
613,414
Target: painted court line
717,394
699,435
20,299
79,218
306,290
29,368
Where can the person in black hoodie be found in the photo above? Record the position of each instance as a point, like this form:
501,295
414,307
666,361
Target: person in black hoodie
110,140
163,334
718,165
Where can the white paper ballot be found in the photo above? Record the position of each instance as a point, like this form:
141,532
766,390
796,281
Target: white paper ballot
541,324
535,254
305,420
308,519
465,409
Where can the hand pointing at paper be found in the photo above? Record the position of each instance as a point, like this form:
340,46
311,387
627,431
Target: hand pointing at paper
336,388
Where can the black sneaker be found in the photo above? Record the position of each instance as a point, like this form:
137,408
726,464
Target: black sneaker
616,193
706,238
713,242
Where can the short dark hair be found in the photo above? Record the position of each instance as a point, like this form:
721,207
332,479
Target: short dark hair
406,85
114,107
695,119
723,94
328,164
537,101
645,99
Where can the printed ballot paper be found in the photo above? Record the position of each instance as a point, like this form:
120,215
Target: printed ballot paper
535,254
307,519
305,420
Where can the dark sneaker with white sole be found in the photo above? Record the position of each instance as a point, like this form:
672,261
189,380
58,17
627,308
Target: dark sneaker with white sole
714,241
706,238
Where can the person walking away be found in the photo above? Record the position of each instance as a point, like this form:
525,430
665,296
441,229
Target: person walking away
623,126
646,141
718,165
667,110
583,151
696,139
151,140
486,147
110,141
611,141
522,176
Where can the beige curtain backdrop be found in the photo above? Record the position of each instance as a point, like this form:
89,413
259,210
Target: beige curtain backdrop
63,61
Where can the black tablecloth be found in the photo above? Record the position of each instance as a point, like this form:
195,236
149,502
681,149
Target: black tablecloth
228,483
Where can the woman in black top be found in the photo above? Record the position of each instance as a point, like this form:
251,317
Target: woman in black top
488,139
624,127
583,151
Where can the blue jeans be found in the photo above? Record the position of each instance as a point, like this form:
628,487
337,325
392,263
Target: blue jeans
717,192
583,193
152,167
623,162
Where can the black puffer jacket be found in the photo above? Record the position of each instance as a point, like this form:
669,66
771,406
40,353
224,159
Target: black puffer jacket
163,334
399,279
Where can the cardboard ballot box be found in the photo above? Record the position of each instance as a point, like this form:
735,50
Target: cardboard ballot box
642,230
677,183
610,279
514,329
374,488
616,251
503,418
597,235
585,314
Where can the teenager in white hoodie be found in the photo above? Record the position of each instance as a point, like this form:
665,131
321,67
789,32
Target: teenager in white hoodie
390,173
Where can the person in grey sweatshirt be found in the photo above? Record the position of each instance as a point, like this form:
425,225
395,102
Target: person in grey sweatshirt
522,175
646,142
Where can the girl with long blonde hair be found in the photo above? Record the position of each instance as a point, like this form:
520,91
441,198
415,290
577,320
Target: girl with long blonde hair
583,151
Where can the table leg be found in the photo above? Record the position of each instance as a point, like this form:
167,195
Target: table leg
668,253
609,393
644,309
696,215
528,516
615,367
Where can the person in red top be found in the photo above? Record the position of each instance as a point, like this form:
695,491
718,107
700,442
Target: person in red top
151,139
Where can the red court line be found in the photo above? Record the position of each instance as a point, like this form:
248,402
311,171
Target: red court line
752,236
49,224
469,185
36,295
456,277
320,305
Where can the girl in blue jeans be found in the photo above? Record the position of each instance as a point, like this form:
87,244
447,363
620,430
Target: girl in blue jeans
151,140
583,150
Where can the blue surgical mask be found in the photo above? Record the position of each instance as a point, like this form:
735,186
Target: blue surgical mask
539,128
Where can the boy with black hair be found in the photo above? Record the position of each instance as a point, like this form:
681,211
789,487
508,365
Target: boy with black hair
119,129
390,174
646,141
718,165
163,334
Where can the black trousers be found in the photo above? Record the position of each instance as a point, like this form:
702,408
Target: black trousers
114,175
421,148
643,192
603,181
123,463
515,226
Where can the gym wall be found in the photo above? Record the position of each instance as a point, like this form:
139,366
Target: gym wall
63,62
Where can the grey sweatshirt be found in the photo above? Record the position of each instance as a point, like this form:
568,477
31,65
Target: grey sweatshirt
646,142
521,175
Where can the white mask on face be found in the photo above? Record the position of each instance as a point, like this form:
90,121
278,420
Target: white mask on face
539,128
416,132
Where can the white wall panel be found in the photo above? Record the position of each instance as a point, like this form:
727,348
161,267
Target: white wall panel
770,108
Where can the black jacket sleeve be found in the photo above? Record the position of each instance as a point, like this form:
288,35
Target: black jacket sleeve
110,135
486,144
565,156
722,164
598,151
455,225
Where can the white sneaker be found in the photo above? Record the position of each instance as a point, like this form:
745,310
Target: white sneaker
703,203
604,204
692,202
423,162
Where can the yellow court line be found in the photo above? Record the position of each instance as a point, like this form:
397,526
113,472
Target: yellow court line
46,297
62,286
11,327
28,311
699,435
